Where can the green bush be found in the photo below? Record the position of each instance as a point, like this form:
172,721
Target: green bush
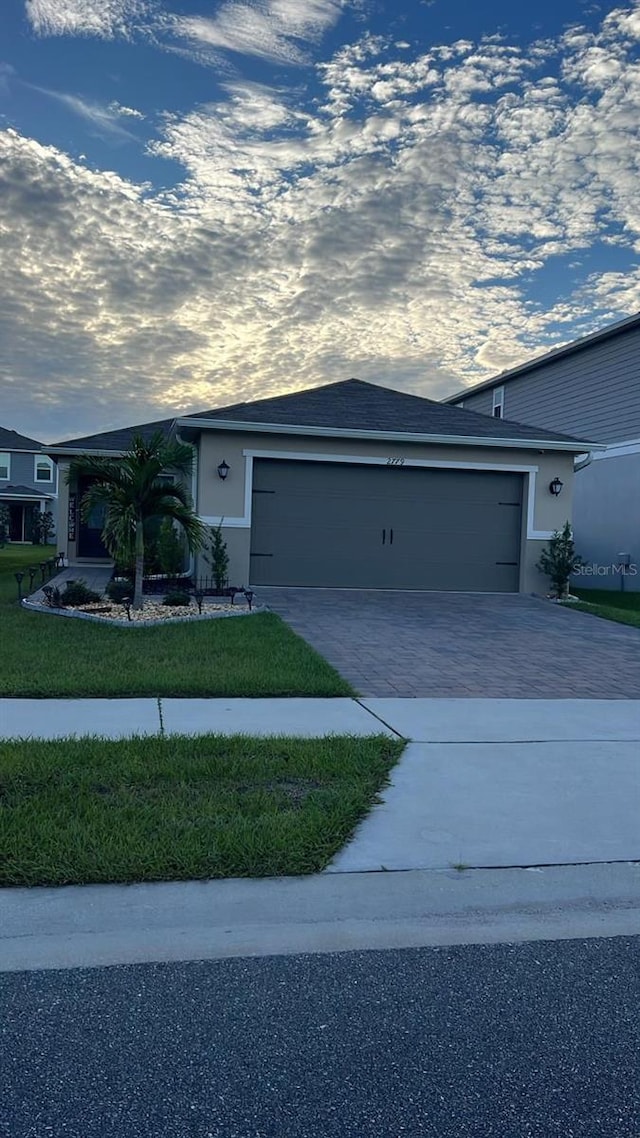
177,597
79,593
171,549
117,590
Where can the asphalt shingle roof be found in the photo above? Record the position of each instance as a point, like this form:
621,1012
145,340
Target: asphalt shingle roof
11,440
25,492
349,404
353,403
119,439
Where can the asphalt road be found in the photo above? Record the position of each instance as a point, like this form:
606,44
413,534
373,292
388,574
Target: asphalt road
538,1040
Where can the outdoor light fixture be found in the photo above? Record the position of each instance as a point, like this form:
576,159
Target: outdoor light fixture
223,470
199,597
555,487
126,603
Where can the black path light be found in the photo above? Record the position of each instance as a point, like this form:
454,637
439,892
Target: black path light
31,570
223,470
19,577
43,570
555,486
198,595
126,604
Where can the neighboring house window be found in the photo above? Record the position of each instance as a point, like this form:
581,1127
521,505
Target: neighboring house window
43,470
5,466
498,402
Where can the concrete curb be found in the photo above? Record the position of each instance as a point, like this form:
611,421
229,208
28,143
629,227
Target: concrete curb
92,926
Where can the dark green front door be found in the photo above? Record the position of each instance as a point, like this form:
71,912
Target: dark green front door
381,527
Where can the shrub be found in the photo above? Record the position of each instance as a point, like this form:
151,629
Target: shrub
79,593
218,558
171,549
117,590
53,596
559,560
177,597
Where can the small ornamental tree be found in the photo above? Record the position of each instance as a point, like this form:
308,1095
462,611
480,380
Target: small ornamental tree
559,560
5,525
43,527
218,558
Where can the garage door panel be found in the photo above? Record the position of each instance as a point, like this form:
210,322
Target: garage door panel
368,526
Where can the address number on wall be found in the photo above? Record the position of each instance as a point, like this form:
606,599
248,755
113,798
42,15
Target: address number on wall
395,462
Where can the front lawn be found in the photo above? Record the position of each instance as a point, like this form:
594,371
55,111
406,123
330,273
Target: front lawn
609,604
157,809
236,656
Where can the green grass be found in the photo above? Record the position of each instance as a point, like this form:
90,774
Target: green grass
241,656
175,808
609,604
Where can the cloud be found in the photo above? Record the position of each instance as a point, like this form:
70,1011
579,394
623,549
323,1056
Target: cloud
394,230
6,73
274,30
124,112
103,119
106,19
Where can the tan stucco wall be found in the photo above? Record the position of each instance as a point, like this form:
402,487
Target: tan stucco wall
227,500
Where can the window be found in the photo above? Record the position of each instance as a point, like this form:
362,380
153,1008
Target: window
498,402
43,469
5,466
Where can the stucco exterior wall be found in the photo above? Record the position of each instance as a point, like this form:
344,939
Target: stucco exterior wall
230,501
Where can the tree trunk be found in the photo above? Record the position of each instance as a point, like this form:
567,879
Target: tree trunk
139,570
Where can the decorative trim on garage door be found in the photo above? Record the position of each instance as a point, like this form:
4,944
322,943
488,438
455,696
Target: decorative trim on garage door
390,460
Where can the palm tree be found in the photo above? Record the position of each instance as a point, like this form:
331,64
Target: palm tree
131,489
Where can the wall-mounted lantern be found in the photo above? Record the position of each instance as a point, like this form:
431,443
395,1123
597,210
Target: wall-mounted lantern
555,486
223,470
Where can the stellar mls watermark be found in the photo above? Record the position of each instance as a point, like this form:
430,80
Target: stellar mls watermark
594,569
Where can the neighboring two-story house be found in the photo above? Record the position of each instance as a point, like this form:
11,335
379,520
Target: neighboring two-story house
28,482
589,388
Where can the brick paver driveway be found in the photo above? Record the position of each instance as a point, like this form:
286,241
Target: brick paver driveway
458,644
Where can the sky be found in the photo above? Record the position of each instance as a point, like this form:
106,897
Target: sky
209,201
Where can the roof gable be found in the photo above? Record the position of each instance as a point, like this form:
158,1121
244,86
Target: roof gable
11,440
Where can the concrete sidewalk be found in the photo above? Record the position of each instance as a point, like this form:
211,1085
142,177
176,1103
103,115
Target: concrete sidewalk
482,783
421,720
97,925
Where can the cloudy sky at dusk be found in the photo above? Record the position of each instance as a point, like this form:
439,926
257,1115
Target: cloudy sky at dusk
203,201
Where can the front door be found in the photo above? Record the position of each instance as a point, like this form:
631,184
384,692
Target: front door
90,543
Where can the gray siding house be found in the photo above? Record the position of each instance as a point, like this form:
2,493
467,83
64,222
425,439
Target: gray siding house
589,388
28,482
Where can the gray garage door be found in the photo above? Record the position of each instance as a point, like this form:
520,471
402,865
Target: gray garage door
381,527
